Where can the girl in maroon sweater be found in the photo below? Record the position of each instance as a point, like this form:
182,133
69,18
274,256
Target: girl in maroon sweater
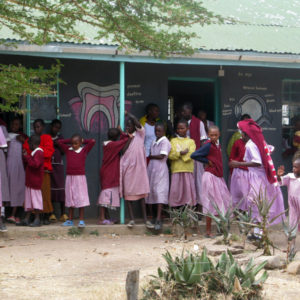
110,171
214,188
76,186
33,183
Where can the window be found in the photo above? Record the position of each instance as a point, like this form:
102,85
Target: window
290,111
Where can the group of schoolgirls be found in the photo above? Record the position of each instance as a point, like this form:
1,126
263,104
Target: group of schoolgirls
253,173
196,169
35,174
144,172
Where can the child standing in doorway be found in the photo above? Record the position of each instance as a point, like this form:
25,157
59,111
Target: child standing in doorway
134,182
76,185
292,181
110,172
158,172
34,179
182,190
214,187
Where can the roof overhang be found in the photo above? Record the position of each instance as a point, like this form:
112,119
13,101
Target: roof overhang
111,53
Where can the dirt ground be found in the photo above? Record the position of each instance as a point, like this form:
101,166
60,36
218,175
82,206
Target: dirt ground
95,267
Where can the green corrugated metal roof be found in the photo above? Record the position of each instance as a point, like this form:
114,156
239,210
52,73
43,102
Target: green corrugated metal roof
271,26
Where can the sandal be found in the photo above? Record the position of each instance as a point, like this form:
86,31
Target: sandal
63,218
105,222
12,220
67,223
52,218
81,224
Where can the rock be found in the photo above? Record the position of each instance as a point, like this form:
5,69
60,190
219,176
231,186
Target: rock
215,250
294,268
273,262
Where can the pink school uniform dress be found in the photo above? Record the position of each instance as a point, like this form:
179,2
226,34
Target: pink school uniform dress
134,182
293,185
239,183
34,178
76,189
158,173
214,188
15,171
2,145
258,181
110,173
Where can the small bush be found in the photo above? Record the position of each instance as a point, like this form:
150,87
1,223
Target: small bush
185,217
74,231
196,277
94,232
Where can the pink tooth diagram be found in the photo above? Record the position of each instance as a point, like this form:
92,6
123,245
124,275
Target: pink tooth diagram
97,107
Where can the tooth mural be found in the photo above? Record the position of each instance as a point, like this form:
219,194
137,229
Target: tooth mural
97,107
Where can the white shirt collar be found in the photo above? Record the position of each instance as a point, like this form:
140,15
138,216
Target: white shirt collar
158,142
55,138
106,142
35,150
292,176
77,151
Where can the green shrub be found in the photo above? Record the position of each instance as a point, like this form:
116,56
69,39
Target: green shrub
195,276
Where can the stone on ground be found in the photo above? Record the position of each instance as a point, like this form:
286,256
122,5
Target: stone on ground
294,268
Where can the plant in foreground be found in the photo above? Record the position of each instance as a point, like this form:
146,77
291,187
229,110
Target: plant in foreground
263,206
185,217
194,276
223,220
74,231
291,233
245,221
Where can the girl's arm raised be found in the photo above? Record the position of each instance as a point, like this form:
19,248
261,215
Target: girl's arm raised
137,124
201,153
89,144
124,149
64,145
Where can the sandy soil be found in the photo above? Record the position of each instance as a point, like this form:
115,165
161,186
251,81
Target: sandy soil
96,267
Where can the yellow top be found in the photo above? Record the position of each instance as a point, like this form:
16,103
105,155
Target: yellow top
182,163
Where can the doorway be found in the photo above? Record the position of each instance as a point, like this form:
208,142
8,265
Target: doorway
203,93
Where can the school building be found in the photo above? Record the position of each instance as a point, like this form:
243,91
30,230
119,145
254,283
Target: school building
248,66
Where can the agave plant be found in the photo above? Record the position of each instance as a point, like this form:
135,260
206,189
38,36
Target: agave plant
185,217
223,220
245,221
291,233
196,277
263,206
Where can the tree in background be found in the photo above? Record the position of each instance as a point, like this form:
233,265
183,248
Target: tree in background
161,27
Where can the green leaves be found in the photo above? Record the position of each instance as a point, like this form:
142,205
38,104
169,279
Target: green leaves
194,276
158,26
17,81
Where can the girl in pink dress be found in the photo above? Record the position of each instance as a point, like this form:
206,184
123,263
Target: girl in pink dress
158,172
33,183
239,182
292,181
262,174
214,187
2,143
134,182
76,189
182,190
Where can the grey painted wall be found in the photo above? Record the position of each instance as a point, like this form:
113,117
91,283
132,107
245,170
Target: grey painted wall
147,83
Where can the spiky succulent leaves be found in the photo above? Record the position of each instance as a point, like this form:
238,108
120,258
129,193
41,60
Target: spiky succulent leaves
289,231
